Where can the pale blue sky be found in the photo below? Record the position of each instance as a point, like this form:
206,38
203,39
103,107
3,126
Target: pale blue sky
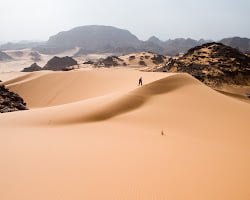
209,19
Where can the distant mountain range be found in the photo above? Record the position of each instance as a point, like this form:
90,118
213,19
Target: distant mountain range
242,44
176,46
20,45
108,39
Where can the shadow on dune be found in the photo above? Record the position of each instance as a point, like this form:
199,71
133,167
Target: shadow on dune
134,99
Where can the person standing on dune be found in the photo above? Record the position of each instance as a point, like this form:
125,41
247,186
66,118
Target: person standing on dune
140,81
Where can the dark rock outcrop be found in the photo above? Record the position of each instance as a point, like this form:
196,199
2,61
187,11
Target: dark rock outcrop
32,68
141,62
131,57
213,64
89,62
158,59
10,101
94,38
59,64
110,61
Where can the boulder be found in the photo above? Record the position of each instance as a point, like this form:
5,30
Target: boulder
158,59
131,57
59,64
141,62
32,68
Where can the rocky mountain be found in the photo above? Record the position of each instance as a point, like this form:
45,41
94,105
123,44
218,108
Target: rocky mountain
156,41
92,39
214,64
242,44
10,101
32,68
107,39
4,56
59,64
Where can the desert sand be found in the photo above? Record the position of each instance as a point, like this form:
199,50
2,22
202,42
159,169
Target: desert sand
98,135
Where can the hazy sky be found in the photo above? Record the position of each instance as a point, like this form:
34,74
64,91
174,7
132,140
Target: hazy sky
209,19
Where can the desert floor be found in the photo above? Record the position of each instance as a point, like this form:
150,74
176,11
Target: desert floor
98,135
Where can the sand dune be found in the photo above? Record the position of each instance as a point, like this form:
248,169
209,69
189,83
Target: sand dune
100,137
42,89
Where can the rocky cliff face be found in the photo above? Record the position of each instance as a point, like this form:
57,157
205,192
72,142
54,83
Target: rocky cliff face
214,64
10,101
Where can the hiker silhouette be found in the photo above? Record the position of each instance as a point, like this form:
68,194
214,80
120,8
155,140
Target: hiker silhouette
140,81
